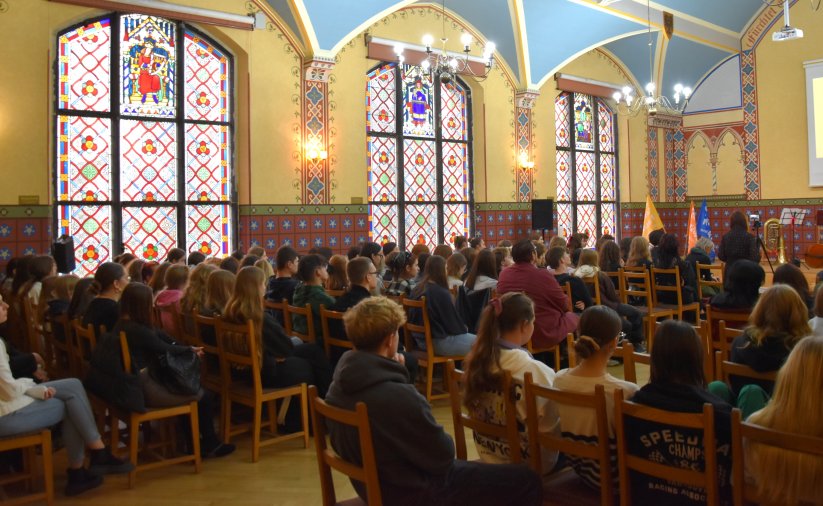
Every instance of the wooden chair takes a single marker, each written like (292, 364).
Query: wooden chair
(744, 493)
(630, 360)
(680, 307)
(210, 377)
(726, 369)
(28, 442)
(701, 283)
(290, 311)
(238, 352)
(620, 286)
(556, 351)
(506, 432)
(65, 348)
(567, 289)
(85, 340)
(593, 285)
(706, 479)
(565, 487)
(425, 358)
(133, 421)
(327, 459)
(638, 285)
(34, 337)
(328, 339)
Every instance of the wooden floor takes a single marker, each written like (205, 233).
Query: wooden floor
(286, 475)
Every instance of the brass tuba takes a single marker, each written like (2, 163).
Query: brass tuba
(773, 238)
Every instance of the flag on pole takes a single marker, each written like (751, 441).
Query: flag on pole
(651, 220)
(704, 228)
(692, 232)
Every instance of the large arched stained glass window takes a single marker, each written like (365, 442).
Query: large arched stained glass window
(586, 166)
(419, 156)
(144, 132)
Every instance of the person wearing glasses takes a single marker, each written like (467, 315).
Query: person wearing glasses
(600, 334)
(374, 252)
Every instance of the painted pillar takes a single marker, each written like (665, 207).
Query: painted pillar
(524, 173)
(315, 181)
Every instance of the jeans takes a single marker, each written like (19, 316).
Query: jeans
(460, 344)
(69, 405)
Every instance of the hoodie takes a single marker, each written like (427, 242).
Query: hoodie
(412, 450)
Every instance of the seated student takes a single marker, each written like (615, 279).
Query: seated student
(700, 255)
(283, 284)
(668, 257)
(194, 295)
(483, 275)
(195, 258)
(609, 257)
(374, 252)
(177, 277)
(784, 477)
(677, 384)
(422, 258)
(415, 456)
(230, 264)
(788, 274)
(599, 336)
(146, 343)
(219, 288)
(55, 299)
(560, 265)
(158, 278)
(40, 267)
(404, 270)
(313, 272)
(110, 280)
(443, 250)
(777, 324)
(455, 268)
(816, 322)
(81, 298)
(337, 273)
(25, 407)
(639, 255)
(741, 288)
(503, 256)
(176, 256)
(506, 325)
(631, 317)
(449, 334)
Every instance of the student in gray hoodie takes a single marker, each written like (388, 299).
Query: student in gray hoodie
(415, 456)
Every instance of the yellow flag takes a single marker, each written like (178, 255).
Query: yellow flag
(692, 233)
(651, 220)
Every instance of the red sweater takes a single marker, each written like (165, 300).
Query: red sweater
(552, 318)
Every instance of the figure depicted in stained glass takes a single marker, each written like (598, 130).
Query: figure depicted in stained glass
(419, 104)
(583, 122)
(150, 69)
(148, 66)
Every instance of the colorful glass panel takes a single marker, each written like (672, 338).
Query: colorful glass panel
(384, 223)
(455, 222)
(147, 68)
(381, 105)
(564, 175)
(83, 158)
(585, 174)
(419, 175)
(605, 130)
(587, 222)
(91, 228)
(455, 172)
(565, 226)
(607, 177)
(208, 229)
(206, 80)
(421, 224)
(453, 112)
(83, 67)
(608, 225)
(382, 169)
(561, 120)
(418, 102)
(583, 122)
(150, 232)
(148, 165)
(207, 162)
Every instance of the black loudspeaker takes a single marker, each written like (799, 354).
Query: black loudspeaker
(63, 252)
(542, 215)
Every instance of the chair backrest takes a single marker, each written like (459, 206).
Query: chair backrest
(309, 335)
(211, 350)
(237, 346)
(277, 308)
(84, 344)
(329, 339)
(62, 322)
(327, 459)
(33, 331)
(702, 269)
(334, 293)
(593, 285)
(733, 319)
(125, 353)
(567, 289)
(501, 432)
(557, 352)
(706, 479)
(637, 285)
(619, 285)
(657, 287)
(743, 492)
(423, 328)
(727, 369)
(635, 268)
(630, 360)
(537, 440)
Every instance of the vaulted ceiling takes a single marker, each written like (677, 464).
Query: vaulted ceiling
(535, 38)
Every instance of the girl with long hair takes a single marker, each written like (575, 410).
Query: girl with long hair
(506, 325)
(483, 274)
(110, 280)
(668, 257)
(639, 254)
(455, 268)
(194, 296)
(450, 335)
(337, 273)
(788, 274)
(404, 270)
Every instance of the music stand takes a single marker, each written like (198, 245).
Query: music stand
(792, 216)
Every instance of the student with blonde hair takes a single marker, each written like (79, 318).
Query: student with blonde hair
(785, 477)
(639, 255)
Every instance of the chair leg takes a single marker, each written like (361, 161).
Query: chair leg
(48, 469)
(226, 412)
(271, 405)
(29, 456)
(255, 445)
(134, 443)
(429, 381)
(304, 411)
(195, 435)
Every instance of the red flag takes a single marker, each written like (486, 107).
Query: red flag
(692, 233)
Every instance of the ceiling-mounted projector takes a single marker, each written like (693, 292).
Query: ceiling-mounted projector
(788, 32)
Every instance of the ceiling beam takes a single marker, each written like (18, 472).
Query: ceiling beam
(521, 39)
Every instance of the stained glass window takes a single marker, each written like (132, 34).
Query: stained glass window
(586, 166)
(154, 172)
(418, 145)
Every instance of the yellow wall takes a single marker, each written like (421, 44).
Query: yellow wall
(699, 167)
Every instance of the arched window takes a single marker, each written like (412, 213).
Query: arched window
(144, 139)
(586, 166)
(419, 156)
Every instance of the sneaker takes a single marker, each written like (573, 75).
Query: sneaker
(221, 450)
(81, 480)
(640, 348)
(103, 462)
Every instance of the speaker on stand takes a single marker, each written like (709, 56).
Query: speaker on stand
(62, 250)
(542, 215)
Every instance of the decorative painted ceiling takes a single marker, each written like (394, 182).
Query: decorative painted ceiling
(535, 38)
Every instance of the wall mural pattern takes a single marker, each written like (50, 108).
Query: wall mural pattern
(653, 163)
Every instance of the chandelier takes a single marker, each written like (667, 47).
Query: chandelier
(650, 103)
(447, 65)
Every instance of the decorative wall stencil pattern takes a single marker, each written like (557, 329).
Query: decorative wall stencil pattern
(751, 152)
(653, 163)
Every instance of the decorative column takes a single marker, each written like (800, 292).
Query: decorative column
(668, 151)
(681, 184)
(315, 178)
(653, 168)
(524, 171)
(751, 152)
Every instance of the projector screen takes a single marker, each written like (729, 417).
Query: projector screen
(814, 113)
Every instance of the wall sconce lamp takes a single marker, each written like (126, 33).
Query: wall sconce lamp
(525, 163)
(315, 154)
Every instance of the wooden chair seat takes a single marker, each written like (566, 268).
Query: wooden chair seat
(28, 442)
